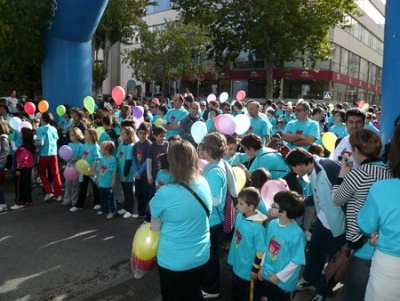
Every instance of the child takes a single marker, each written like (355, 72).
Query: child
(173, 139)
(109, 133)
(257, 180)
(159, 146)
(140, 150)
(163, 176)
(232, 156)
(286, 244)
(248, 243)
(125, 172)
(90, 153)
(72, 186)
(107, 173)
(4, 152)
(25, 159)
(201, 151)
(210, 121)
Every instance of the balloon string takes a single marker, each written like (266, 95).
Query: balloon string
(251, 290)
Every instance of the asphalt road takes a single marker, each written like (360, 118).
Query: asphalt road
(49, 253)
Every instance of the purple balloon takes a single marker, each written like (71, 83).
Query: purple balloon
(70, 173)
(24, 124)
(226, 124)
(138, 111)
(65, 152)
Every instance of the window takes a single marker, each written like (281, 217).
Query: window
(161, 5)
(344, 61)
(335, 64)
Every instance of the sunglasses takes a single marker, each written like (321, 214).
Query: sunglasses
(299, 110)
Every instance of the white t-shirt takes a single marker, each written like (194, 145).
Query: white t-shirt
(344, 147)
(12, 104)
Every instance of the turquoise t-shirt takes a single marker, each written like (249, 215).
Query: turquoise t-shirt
(174, 116)
(259, 127)
(262, 207)
(124, 153)
(48, 135)
(339, 130)
(155, 117)
(163, 178)
(273, 121)
(185, 229)
(279, 112)
(238, 157)
(77, 151)
(106, 169)
(211, 125)
(371, 127)
(91, 153)
(216, 178)
(248, 239)
(15, 137)
(284, 244)
(273, 162)
(305, 128)
(381, 212)
(61, 121)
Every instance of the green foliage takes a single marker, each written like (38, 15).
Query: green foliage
(168, 52)
(278, 31)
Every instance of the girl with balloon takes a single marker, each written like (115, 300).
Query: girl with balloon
(72, 155)
(25, 158)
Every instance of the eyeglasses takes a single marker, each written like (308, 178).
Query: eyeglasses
(274, 206)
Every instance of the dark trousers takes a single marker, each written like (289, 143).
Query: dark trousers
(241, 289)
(2, 199)
(181, 285)
(106, 199)
(275, 293)
(83, 186)
(212, 273)
(23, 190)
(127, 188)
(356, 280)
(142, 194)
(322, 244)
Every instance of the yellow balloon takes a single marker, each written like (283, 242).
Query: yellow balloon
(145, 243)
(328, 141)
(158, 122)
(240, 177)
(83, 167)
(99, 131)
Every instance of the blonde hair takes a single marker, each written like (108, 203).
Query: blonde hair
(109, 146)
(4, 127)
(367, 142)
(215, 145)
(130, 132)
(183, 170)
(78, 133)
(93, 135)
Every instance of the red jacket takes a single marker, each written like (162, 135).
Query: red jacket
(25, 158)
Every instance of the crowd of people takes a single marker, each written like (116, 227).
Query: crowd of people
(346, 195)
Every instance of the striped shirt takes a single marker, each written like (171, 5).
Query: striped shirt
(353, 190)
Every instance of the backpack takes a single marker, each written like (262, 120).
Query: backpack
(338, 265)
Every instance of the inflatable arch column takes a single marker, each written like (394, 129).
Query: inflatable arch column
(67, 63)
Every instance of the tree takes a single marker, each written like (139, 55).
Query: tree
(21, 51)
(278, 31)
(168, 52)
(116, 25)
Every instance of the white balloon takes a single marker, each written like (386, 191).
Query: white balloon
(198, 131)
(223, 96)
(211, 97)
(242, 123)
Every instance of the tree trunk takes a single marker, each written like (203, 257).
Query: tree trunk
(269, 69)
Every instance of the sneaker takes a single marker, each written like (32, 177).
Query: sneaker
(209, 296)
(303, 285)
(308, 235)
(318, 298)
(127, 215)
(135, 215)
(59, 199)
(97, 207)
(110, 215)
(100, 212)
(48, 197)
(74, 209)
(16, 207)
(28, 204)
(3, 208)
(121, 212)
(65, 204)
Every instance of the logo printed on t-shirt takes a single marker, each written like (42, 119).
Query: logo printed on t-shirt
(139, 155)
(273, 248)
(85, 154)
(238, 236)
(173, 118)
(103, 170)
(299, 132)
(121, 153)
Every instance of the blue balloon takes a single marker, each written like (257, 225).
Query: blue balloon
(198, 131)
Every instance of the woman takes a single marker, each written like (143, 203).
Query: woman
(351, 188)
(185, 232)
(162, 111)
(46, 137)
(215, 147)
(381, 212)
(237, 108)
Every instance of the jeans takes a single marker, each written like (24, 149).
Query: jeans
(275, 293)
(322, 243)
(212, 273)
(356, 280)
(142, 193)
(106, 199)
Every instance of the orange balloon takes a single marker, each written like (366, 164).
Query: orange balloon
(43, 106)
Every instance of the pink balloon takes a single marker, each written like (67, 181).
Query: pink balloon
(240, 95)
(216, 123)
(138, 121)
(24, 124)
(211, 97)
(226, 124)
(361, 103)
(118, 94)
(30, 108)
(269, 190)
(138, 111)
(70, 173)
(202, 163)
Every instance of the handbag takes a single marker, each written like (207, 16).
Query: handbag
(338, 265)
(197, 198)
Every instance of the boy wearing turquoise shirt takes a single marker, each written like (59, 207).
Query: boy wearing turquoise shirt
(248, 243)
(285, 248)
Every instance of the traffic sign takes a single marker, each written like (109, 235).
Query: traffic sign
(327, 95)
(131, 84)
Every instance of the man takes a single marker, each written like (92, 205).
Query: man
(318, 116)
(226, 108)
(203, 108)
(287, 117)
(355, 120)
(329, 227)
(280, 111)
(186, 124)
(174, 116)
(4, 113)
(211, 105)
(303, 131)
(258, 125)
(153, 106)
(12, 102)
